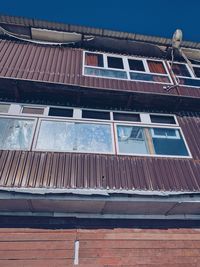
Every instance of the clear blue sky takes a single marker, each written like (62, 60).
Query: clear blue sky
(153, 17)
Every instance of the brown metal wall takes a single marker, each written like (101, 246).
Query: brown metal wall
(68, 170)
(74, 170)
(64, 65)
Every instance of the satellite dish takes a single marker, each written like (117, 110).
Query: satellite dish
(177, 39)
(176, 45)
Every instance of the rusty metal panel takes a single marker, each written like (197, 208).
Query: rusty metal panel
(71, 170)
(39, 62)
(63, 65)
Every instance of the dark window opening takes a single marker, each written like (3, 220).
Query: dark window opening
(162, 119)
(95, 60)
(126, 116)
(135, 64)
(180, 70)
(115, 63)
(61, 112)
(90, 114)
(197, 71)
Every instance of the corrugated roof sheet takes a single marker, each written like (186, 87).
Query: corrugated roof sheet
(91, 31)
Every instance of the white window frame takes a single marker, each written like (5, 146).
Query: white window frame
(192, 76)
(74, 121)
(77, 117)
(177, 136)
(175, 127)
(126, 67)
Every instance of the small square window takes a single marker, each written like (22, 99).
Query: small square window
(31, 110)
(162, 119)
(91, 114)
(126, 116)
(61, 112)
(115, 63)
(95, 60)
(4, 108)
(135, 64)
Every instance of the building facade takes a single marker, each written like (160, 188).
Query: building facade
(98, 129)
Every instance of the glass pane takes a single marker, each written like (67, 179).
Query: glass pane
(92, 114)
(126, 116)
(149, 77)
(67, 136)
(15, 133)
(106, 73)
(4, 108)
(168, 142)
(93, 137)
(61, 112)
(162, 119)
(180, 70)
(92, 59)
(131, 140)
(55, 135)
(135, 64)
(189, 82)
(115, 62)
(156, 66)
(30, 110)
(197, 71)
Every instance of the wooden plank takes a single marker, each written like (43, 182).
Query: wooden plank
(87, 244)
(37, 236)
(37, 254)
(124, 252)
(36, 245)
(137, 236)
(37, 263)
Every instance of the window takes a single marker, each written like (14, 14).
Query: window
(126, 116)
(4, 108)
(15, 133)
(185, 75)
(74, 136)
(60, 112)
(162, 119)
(91, 114)
(91, 131)
(95, 60)
(31, 110)
(124, 67)
(115, 62)
(135, 64)
(154, 141)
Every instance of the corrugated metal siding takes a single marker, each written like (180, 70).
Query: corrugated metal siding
(39, 62)
(68, 170)
(73, 170)
(100, 248)
(64, 65)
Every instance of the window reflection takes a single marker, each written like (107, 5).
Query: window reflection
(131, 139)
(69, 136)
(154, 141)
(15, 133)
